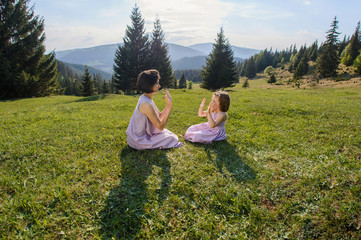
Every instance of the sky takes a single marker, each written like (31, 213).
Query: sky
(258, 24)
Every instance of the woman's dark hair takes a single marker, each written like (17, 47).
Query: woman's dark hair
(146, 80)
(224, 100)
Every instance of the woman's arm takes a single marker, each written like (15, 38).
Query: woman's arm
(168, 105)
(202, 113)
(215, 122)
(158, 121)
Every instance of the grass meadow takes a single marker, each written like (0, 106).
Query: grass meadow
(290, 168)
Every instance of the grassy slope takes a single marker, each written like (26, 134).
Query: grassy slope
(290, 168)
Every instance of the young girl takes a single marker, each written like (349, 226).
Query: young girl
(213, 130)
(146, 129)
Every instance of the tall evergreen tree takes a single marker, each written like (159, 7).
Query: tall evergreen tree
(133, 57)
(25, 70)
(182, 81)
(251, 68)
(302, 68)
(159, 57)
(357, 64)
(353, 48)
(220, 70)
(313, 51)
(105, 87)
(328, 60)
(87, 84)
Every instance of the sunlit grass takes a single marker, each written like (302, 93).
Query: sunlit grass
(289, 169)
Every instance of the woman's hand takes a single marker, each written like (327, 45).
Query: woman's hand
(203, 102)
(168, 98)
(200, 110)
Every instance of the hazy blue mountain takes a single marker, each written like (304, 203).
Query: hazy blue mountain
(239, 52)
(78, 69)
(102, 57)
(189, 63)
(177, 52)
(196, 62)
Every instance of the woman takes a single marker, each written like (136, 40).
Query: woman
(146, 129)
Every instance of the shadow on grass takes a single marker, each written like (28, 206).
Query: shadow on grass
(124, 210)
(226, 157)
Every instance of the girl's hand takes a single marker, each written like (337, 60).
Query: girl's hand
(209, 109)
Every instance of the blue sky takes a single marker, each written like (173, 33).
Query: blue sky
(256, 24)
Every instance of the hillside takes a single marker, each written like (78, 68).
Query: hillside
(288, 169)
(78, 69)
(347, 78)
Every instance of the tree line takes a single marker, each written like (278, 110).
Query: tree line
(26, 71)
(327, 56)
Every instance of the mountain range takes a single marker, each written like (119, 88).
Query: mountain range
(182, 57)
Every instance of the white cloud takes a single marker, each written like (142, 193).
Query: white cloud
(60, 37)
(186, 21)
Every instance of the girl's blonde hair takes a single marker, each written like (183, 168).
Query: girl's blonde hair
(224, 100)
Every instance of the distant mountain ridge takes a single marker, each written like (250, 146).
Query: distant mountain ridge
(191, 57)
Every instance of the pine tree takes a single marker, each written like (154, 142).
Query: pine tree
(272, 78)
(98, 82)
(328, 60)
(175, 82)
(133, 57)
(105, 87)
(343, 44)
(245, 83)
(251, 68)
(353, 48)
(159, 57)
(357, 64)
(182, 81)
(220, 70)
(313, 51)
(25, 70)
(302, 67)
(87, 84)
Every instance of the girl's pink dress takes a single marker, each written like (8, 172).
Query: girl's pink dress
(142, 134)
(203, 133)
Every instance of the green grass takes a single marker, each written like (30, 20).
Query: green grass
(290, 168)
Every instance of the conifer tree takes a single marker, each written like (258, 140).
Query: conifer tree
(182, 81)
(272, 78)
(251, 68)
(302, 67)
(245, 83)
(313, 51)
(343, 44)
(87, 84)
(353, 48)
(220, 70)
(159, 57)
(357, 64)
(133, 57)
(175, 82)
(105, 87)
(25, 70)
(328, 60)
